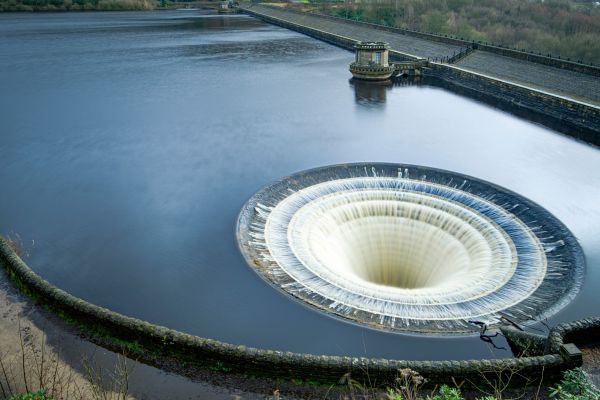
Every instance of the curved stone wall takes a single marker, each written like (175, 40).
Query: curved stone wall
(581, 331)
(149, 342)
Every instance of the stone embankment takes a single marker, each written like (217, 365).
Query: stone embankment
(580, 86)
(562, 95)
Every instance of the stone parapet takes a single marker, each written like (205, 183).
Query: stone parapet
(570, 117)
(581, 331)
(311, 24)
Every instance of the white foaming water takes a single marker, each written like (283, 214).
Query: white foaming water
(396, 239)
(403, 254)
(393, 251)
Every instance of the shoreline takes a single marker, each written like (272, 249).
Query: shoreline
(168, 382)
(71, 348)
(69, 345)
(110, 6)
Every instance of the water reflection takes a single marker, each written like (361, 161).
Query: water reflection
(373, 95)
(370, 94)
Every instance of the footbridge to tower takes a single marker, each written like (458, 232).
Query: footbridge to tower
(561, 94)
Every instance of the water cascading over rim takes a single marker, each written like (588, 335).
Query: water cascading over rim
(409, 248)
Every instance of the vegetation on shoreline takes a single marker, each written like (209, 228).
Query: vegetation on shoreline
(575, 385)
(32, 371)
(567, 28)
(78, 5)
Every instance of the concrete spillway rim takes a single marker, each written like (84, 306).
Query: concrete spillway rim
(552, 243)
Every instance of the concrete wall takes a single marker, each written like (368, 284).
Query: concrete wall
(575, 119)
(340, 41)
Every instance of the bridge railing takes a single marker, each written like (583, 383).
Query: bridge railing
(455, 57)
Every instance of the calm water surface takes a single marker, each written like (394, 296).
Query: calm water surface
(130, 141)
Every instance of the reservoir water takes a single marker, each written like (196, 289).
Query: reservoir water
(129, 142)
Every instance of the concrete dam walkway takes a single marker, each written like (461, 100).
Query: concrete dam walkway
(566, 82)
(579, 86)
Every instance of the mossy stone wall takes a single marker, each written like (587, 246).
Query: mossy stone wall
(151, 342)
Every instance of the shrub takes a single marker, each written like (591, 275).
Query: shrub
(448, 393)
(575, 386)
(39, 395)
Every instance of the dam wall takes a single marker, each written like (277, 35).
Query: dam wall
(358, 32)
(544, 101)
(540, 58)
(578, 120)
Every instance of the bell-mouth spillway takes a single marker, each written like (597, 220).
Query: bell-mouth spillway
(410, 249)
